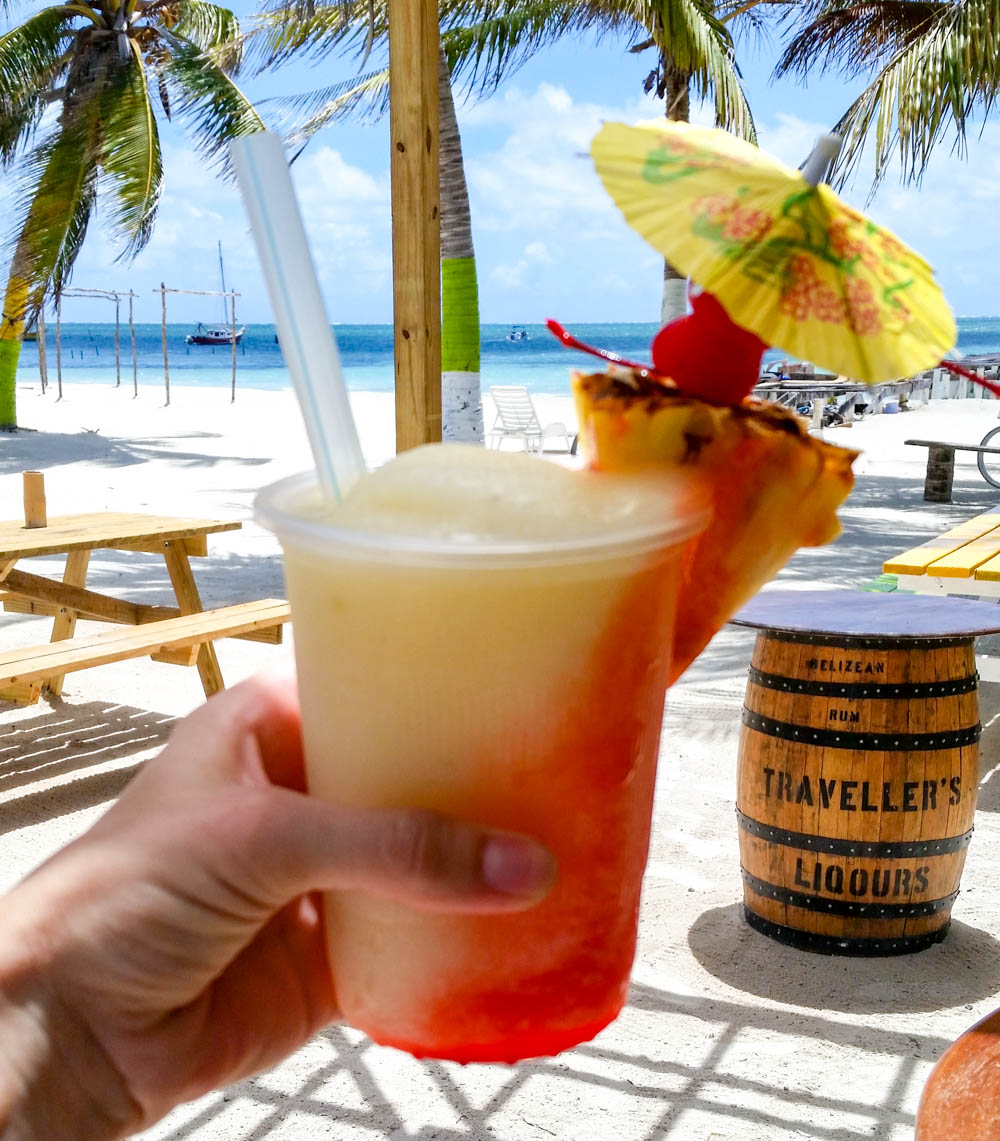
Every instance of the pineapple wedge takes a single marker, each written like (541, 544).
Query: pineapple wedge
(774, 487)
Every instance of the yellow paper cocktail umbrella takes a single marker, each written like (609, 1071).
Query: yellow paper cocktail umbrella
(788, 260)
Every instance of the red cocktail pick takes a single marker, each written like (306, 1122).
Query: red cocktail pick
(705, 353)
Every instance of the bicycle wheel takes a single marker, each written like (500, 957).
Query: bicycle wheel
(989, 465)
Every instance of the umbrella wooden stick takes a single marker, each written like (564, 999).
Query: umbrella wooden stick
(416, 223)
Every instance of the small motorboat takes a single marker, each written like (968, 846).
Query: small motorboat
(215, 335)
(518, 333)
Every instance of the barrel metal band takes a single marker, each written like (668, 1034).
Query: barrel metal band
(841, 945)
(865, 641)
(881, 691)
(869, 849)
(858, 909)
(875, 742)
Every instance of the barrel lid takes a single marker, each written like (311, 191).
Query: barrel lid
(867, 614)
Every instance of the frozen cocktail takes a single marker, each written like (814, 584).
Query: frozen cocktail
(488, 635)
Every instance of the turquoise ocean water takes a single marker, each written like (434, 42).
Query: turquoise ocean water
(539, 362)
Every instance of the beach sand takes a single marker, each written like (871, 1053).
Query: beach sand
(727, 1034)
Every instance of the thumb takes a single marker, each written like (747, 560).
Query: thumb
(422, 858)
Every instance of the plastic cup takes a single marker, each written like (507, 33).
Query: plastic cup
(519, 685)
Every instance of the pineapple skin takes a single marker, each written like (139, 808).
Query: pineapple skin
(773, 487)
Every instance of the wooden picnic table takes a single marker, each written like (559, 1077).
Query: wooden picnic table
(180, 635)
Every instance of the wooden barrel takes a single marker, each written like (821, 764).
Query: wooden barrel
(857, 781)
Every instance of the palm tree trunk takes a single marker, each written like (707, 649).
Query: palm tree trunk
(461, 396)
(15, 305)
(677, 102)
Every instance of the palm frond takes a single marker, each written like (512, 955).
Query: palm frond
(689, 34)
(299, 117)
(204, 96)
(753, 23)
(485, 42)
(699, 45)
(292, 29)
(928, 89)
(57, 192)
(853, 38)
(214, 29)
(131, 159)
(31, 59)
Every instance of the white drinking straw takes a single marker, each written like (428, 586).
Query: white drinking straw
(307, 341)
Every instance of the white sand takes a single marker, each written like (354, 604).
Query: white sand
(727, 1035)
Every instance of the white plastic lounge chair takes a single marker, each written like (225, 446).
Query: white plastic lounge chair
(518, 420)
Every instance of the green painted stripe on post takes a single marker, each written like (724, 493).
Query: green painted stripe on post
(10, 351)
(459, 315)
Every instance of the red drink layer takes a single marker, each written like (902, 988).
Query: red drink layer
(535, 983)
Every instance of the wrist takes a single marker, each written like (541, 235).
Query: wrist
(56, 1082)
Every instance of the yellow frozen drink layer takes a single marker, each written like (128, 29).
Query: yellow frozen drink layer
(470, 496)
(487, 635)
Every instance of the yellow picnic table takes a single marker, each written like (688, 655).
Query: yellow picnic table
(181, 634)
(963, 560)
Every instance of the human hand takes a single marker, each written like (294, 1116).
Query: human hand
(175, 947)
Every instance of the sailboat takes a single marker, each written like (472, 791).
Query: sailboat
(223, 334)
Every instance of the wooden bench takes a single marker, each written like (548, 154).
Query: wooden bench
(24, 671)
(941, 466)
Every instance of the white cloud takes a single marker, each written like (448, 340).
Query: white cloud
(347, 213)
(538, 252)
(541, 171)
(513, 275)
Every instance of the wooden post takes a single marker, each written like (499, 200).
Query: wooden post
(118, 350)
(163, 327)
(416, 222)
(232, 302)
(135, 362)
(818, 405)
(43, 361)
(59, 342)
(940, 473)
(34, 499)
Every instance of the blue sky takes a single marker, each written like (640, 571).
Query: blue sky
(549, 242)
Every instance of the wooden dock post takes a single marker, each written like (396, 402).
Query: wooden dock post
(118, 343)
(232, 303)
(59, 342)
(163, 328)
(416, 219)
(131, 333)
(43, 360)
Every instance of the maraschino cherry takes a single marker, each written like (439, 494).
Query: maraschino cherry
(708, 355)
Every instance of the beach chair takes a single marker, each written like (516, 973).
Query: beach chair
(518, 420)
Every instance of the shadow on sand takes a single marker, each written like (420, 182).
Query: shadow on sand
(962, 969)
(70, 741)
(23, 449)
(349, 1089)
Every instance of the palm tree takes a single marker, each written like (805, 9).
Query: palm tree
(78, 119)
(933, 64)
(483, 42)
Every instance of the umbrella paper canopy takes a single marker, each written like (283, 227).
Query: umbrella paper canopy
(789, 261)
